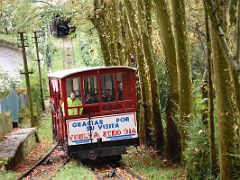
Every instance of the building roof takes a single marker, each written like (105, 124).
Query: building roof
(64, 73)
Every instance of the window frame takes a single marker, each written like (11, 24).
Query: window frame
(100, 103)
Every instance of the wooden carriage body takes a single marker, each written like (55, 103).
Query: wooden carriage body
(104, 123)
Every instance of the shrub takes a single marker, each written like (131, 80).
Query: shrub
(197, 154)
(7, 84)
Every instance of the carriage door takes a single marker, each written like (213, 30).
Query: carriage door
(55, 107)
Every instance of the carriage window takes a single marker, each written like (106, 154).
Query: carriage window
(73, 88)
(54, 85)
(124, 86)
(107, 88)
(120, 87)
(73, 85)
(90, 90)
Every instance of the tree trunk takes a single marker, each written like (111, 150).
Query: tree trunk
(211, 125)
(236, 74)
(143, 76)
(167, 39)
(223, 86)
(130, 48)
(98, 22)
(145, 30)
(184, 69)
(122, 41)
(111, 25)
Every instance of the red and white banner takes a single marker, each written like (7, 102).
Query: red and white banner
(109, 128)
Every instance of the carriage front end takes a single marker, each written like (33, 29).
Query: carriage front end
(100, 118)
(102, 136)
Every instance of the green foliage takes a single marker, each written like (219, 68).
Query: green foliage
(35, 84)
(8, 38)
(73, 171)
(197, 154)
(77, 53)
(197, 56)
(149, 165)
(26, 15)
(7, 83)
(8, 175)
(45, 128)
(57, 58)
(199, 103)
(24, 118)
(90, 49)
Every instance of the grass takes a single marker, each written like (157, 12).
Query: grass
(8, 38)
(57, 59)
(45, 128)
(73, 171)
(150, 166)
(8, 175)
(77, 53)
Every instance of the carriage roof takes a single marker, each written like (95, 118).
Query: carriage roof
(67, 72)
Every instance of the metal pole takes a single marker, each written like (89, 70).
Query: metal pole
(39, 71)
(27, 78)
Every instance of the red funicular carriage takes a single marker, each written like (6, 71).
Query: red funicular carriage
(104, 122)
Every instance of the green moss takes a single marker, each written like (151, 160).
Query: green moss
(73, 171)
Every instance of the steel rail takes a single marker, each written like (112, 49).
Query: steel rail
(39, 162)
(131, 172)
(113, 172)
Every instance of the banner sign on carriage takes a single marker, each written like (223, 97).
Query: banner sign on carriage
(109, 128)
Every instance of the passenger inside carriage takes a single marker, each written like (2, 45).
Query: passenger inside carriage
(89, 99)
(120, 91)
(72, 101)
(108, 96)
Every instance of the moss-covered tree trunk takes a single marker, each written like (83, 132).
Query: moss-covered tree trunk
(184, 69)
(122, 41)
(211, 124)
(98, 22)
(225, 85)
(222, 81)
(167, 39)
(144, 17)
(110, 27)
(129, 42)
(143, 74)
(238, 62)
(236, 74)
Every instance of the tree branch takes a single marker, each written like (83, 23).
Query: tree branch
(198, 33)
(220, 35)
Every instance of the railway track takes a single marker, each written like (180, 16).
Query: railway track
(47, 165)
(113, 171)
(68, 54)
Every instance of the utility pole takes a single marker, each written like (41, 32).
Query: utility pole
(39, 70)
(26, 73)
